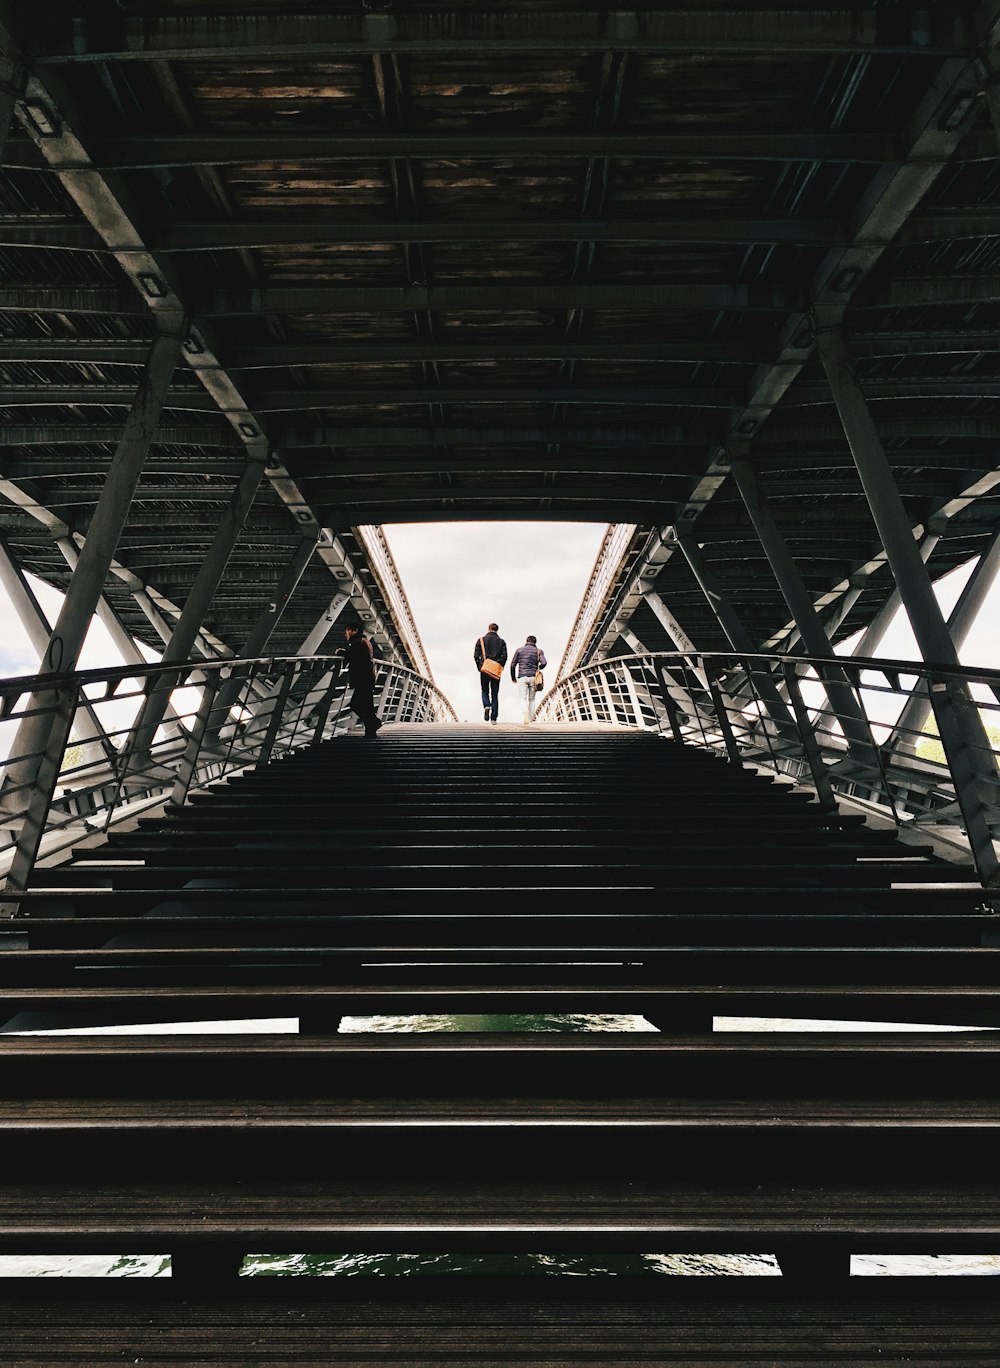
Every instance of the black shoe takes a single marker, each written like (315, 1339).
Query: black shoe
(371, 735)
(486, 714)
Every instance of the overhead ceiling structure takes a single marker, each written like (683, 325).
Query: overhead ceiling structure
(460, 261)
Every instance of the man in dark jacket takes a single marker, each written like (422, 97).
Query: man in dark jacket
(360, 659)
(490, 646)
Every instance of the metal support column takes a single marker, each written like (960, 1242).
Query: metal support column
(911, 720)
(843, 699)
(41, 737)
(87, 729)
(121, 639)
(202, 591)
(960, 727)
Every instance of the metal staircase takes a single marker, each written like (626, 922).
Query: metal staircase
(572, 869)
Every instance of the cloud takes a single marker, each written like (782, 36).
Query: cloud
(458, 577)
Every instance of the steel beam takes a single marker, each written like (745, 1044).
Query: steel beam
(502, 297)
(279, 355)
(237, 235)
(962, 734)
(733, 629)
(87, 728)
(145, 151)
(122, 641)
(107, 434)
(612, 435)
(931, 137)
(262, 36)
(189, 623)
(283, 401)
(918, 707)
(836, 686)
(41, 738)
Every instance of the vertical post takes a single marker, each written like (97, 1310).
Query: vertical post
(963, 737)
(202, 591)
(323, 711)
(633, 694)
(277, 713)
(722, 717)
(189, 760)
(673, 713)
(43, 734)
(814, 756)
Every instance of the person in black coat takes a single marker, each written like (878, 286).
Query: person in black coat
(360, 659)
(490, 646)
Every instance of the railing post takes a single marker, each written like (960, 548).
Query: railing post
(47, 764)
(325, 704)
(670, 704)
(274, 721)
(813, 754)
(722, 717)
(189, 760)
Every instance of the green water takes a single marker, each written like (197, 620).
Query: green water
(341, 1263)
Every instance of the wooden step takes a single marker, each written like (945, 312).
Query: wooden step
(611, 958)
(470, 1322)
(418, 995)
(504, 1216)
(894, 925)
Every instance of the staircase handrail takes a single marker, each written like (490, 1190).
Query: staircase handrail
(286, 702)
(772, 708)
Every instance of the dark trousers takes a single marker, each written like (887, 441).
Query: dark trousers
(491, 695)
(363, 703)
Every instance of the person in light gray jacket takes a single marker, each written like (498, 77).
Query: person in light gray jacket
(523, 664)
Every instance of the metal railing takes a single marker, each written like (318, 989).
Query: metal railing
(856, 728)
(224, 716)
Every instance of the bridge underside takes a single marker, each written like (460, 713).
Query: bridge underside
(437, 263)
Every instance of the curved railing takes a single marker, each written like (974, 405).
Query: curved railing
(77, 755)
(917, 743)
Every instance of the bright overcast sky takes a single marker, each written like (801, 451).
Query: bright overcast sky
(528, 577)
(460, 577)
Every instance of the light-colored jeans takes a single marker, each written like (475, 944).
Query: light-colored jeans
(526, 693)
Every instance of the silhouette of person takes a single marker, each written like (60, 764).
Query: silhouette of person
(360, 659)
